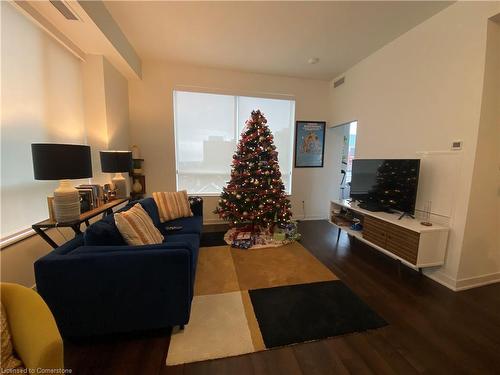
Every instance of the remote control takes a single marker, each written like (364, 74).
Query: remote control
(173, 228)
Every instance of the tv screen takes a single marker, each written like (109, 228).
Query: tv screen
(384, 184)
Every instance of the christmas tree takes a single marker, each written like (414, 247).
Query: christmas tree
(255, 194)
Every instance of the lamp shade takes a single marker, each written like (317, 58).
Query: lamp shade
(116, 161)
(55, 161)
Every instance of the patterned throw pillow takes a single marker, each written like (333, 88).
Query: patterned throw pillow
(172, 205)
(8, 360)
(136, 227)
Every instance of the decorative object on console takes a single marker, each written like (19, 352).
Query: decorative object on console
(309, 144)
(136, 152)
(427, 214)
(137, 187)
(117, 162)
(138, 179)
(256, 194)
(64, 162)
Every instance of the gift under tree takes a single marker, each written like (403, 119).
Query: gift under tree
(255, 195)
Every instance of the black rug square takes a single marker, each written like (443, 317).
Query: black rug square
(306, 312)
(212, 239)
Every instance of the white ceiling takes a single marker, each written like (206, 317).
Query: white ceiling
(267, 37)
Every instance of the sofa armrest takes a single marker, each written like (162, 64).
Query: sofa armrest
(108, 291)
(196, 205)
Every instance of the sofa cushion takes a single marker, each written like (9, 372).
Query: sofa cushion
(192, 225)
(172, 205)
(9, 360)
(137, 228)
(69, 246)
(103, 233)
(151, 208)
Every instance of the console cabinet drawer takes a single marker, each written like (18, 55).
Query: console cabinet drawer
(375, 231)
(399, 241)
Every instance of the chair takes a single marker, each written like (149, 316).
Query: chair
(35, 336)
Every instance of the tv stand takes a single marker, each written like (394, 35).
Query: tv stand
(399, 236)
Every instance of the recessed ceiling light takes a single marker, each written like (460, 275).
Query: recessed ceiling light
(313, 60)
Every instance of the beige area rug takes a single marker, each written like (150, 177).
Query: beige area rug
(223, 322)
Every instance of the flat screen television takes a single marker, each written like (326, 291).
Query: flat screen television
(385, 184)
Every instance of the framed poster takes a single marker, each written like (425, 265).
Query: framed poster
(309, 144)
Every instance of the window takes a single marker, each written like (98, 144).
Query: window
(207, 130)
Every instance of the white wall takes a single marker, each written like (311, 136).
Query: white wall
(117, 108)
(48, 95)
(151, 119)
(481, 247)
(419, 93)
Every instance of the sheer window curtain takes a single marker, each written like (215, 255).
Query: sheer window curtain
(207, 130)
(42, 101)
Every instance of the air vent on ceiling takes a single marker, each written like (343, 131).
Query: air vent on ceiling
(338, 82)
(65, 10)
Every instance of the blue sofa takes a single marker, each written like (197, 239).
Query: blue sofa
(96, 284)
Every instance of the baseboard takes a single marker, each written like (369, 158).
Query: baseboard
(218, 221)
(308, 218)
(213, 221)
(442, 279)
(476, 281)
(463, 284)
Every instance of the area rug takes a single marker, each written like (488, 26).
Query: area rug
(252, 300)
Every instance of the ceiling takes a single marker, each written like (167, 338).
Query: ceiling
(267, 37)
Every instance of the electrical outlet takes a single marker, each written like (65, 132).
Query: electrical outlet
(456, 145)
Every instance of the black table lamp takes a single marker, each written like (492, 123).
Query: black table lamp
(54, 161)
(117, 162)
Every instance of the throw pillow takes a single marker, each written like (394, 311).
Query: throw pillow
(136, 227)
(8, 360)
(172, 205)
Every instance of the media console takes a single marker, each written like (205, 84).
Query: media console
(406, 240)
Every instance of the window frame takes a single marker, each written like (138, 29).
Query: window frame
(235, 96)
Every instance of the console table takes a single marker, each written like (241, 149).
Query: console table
(406, 240)
(105, 209)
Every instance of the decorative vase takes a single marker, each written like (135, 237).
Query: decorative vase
(136, 153)
(137, 187)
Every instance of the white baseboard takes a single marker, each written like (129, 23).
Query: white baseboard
(213, 221)
(442, 279)
(219, 221)
(307, 218)
(476, 281)
(463, 284)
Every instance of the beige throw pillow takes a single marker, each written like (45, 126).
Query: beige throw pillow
(136, 227)
(8, 360)
(172, 205)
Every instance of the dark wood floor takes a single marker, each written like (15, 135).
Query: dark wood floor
(431, 330)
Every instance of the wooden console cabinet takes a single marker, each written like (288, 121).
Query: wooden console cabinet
(407, 240)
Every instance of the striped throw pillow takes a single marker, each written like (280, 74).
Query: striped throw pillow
(172, 205)
(136, 227)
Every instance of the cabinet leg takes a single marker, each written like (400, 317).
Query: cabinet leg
(338, 234)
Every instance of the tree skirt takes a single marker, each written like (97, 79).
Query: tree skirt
(246, 240)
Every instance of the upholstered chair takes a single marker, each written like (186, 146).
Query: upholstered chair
(35, 337)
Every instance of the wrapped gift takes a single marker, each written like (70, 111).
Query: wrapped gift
(279, 236)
